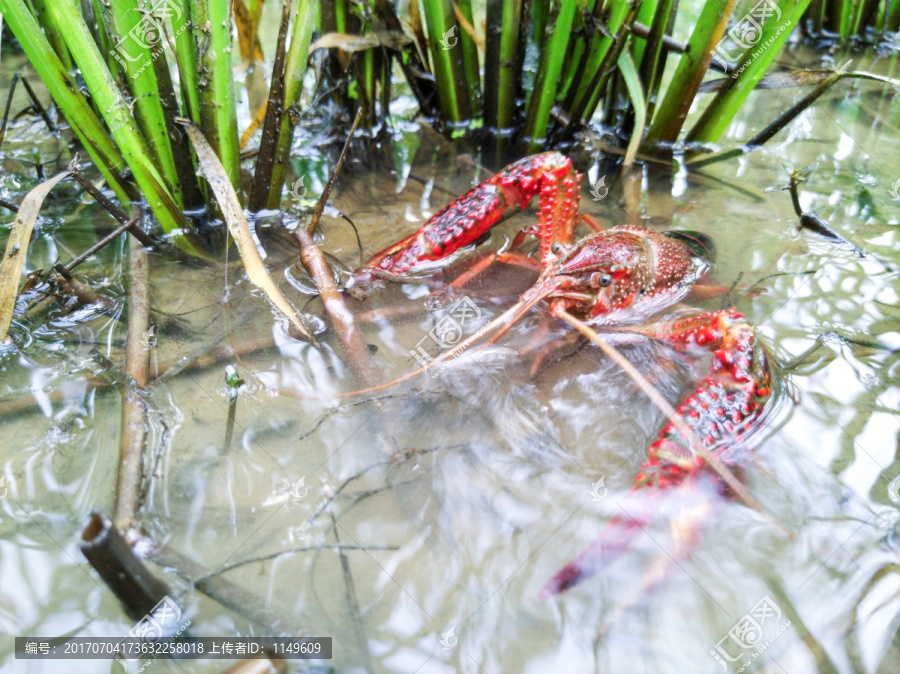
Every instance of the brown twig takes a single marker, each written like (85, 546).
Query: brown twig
(134, 413)
(110, 207)
(320, 206)
(102, 243)
(81, 290)
(352, 601)
(223, 591)
(341, 319)
(292, 551)
(262, 177)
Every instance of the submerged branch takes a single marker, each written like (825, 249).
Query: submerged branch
(311, 255)
(291, 551)
(124, 573)
(134, 413)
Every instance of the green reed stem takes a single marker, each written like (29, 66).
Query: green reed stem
(135, 56)
(671, 113)
(218, 111)
(553, 54)
(470, 59)
(186, 61)
(501, 68)
(653, 61)
(119, 119)
(719, 113)
(53, 33)
(448, 61)
(591, 81)
(294, 70)
(87, 127)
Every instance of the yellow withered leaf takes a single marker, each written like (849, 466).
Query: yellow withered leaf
(227, 199)
(17, 248)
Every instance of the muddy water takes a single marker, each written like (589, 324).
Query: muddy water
(416, 526)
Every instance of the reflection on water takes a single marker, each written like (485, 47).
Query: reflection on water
(416, 526)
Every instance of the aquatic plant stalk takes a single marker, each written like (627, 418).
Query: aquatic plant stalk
(553, 52)
(135, 56)
(501, 73)
(595, 59)
(133, 434)
(654, 55)
(448, 62)
(671, 113)
(470, 57)
(218, 111)
(120, 121)
(262, 176)
(86, 125)
(754, 61)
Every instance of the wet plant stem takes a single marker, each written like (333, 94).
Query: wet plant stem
(352, 601)
(265, 161)
(229, 423)
(224, 592)
(132, 224)
(294, 70)
(81, 290)
(311, 255)
(113, 558)
(105, 241)
(320, 205)
(134, 413)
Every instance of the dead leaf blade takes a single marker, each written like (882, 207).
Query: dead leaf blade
(17, 249)
(227, 199)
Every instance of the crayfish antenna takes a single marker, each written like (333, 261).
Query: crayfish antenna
(503, 321)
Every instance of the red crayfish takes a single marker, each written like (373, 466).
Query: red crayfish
(617, 277)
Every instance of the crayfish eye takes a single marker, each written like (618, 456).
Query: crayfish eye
(599, 280)
(556, 248)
